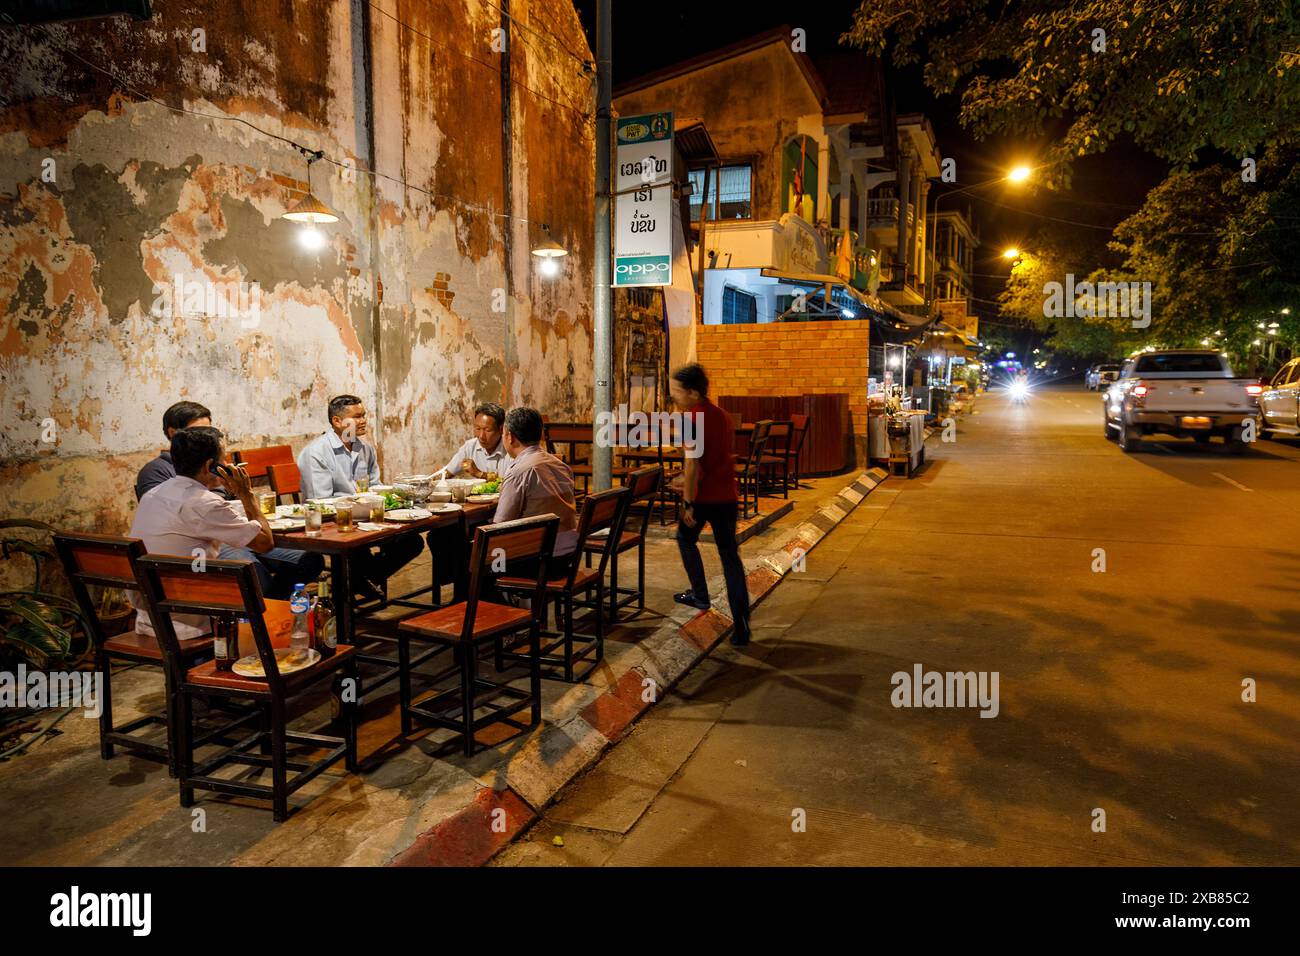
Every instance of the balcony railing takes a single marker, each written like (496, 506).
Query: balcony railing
(884, 212)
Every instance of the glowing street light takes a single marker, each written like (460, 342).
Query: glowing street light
(1019, 174)
(1011, 253)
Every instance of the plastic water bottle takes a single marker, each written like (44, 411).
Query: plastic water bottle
(300, 604)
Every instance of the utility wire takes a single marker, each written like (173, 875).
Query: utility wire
(125, 85)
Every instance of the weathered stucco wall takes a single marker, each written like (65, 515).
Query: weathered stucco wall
(750, 104)
(423, 301)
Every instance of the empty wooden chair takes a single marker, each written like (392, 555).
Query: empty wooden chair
(643, 488)
(748, 473)
(285, 480)
(576, 587)
(469, 625)
(256, 460)
(776, 454)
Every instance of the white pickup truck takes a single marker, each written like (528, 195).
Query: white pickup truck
(1183, 392)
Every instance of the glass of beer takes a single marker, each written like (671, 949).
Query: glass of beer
(377, 509)
(266, 500)
(343, 518)
(311, 518)
(363, 484)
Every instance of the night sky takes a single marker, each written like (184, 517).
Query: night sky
(1104, 189)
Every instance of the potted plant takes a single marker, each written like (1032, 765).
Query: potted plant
(38, 626)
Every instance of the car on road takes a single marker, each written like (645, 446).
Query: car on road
(1279, 405)
(1099, 376)
(1190, 393)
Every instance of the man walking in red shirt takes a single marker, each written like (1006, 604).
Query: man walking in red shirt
(708, 490)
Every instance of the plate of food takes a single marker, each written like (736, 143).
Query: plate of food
(483, 499)
(287, 660)
(295, 511)
(287, 524)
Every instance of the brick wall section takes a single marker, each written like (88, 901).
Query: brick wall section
(789, 358)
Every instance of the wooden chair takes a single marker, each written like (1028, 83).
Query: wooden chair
(748, 474)
(468, 625)
(776, 454)
(578, 441)
(101, 560)
(285, 480)
(572, 588)
(257, 460)
(795, 449)
(643, 488)
(229, 590)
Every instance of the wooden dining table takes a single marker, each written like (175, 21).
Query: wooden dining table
(344, 549)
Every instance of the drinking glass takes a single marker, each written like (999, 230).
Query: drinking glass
(343, 519)
(363, 484)
(311, 517)
(266, 500)
(377, 509)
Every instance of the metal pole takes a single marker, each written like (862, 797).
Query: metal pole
(603, 346)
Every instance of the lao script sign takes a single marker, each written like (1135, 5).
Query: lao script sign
(643, 209)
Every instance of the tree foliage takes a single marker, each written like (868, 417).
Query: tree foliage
(1178, 75)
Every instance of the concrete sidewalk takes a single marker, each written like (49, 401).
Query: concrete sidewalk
(414, 803)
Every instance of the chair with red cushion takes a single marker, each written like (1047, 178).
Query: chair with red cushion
(749, 473)
(643, 488)
(468, 625)
(572, 588)
(108, 561)
(285, 480)
(776, 454)
(229, 590)
(255, 461)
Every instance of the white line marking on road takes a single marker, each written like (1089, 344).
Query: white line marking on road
(1160, 448)
(1235, 484)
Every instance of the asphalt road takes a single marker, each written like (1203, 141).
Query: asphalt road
(1120, 691)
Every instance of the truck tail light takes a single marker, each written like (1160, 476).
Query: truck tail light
(1255, 390)
(1139, 393)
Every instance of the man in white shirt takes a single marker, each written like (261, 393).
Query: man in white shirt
(484, 454)
(185, 516)
(330, 465)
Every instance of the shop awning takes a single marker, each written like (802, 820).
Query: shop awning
(875, 306)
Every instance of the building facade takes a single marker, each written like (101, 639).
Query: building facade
(143, 257)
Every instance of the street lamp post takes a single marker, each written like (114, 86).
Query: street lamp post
(602, 459)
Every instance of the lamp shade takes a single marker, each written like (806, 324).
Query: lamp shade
(550, 249)
(310, 209)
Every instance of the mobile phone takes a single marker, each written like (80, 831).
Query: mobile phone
(223, 471)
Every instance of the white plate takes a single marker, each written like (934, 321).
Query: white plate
(446, 507)
(287, 524)
(408, 514)
(483, 499)
(251, 666)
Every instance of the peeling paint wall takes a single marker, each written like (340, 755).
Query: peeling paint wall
(112, 187)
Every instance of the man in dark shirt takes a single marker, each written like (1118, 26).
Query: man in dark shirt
(181, 415)
(708, 489)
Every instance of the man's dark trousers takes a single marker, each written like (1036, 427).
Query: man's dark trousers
(721, 519)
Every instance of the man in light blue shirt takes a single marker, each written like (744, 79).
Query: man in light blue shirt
(330, 466)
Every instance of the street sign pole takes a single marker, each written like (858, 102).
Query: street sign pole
(603, 350)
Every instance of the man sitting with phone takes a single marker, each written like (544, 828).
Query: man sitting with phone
(185, 516)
